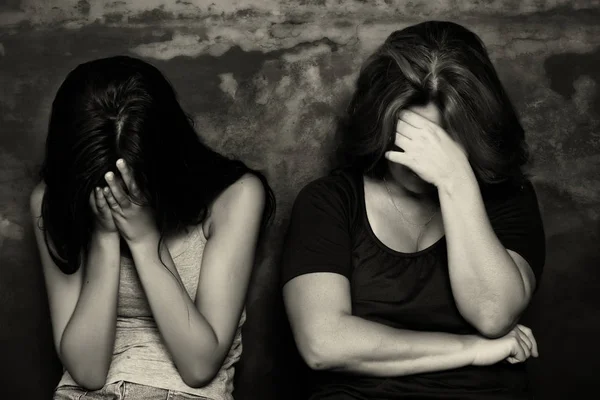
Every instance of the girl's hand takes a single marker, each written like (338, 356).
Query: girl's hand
(428, 150)
(134, 221)
(104, 222)
(515, 347)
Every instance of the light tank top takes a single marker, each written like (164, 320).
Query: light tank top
(139, 354)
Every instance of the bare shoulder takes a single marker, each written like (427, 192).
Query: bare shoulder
(241, 203)
(35, 200)
(246, 193)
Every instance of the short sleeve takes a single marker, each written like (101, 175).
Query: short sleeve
(517, 222)
(318, 238)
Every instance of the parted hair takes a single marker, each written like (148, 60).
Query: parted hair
(445, 64)
(123, 107)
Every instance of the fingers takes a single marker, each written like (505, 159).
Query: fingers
(399, 158)
(519, 353)
(524, 345)
(406, 135)
(525, 339)
(127, 175)
(117, 192)
(110, 199)
(421, 124)
(101, 204)
(529, 334)
(98, 203)
(404, 142)
(407, 130)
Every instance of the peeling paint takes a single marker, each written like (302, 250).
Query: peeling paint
(152, 16)
(52, 12)
(228, 84)
(309, 52)
(179, 45)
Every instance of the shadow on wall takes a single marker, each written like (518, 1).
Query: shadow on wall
(565, 71)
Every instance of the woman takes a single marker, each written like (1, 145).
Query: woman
(405, 272)
(147, 239)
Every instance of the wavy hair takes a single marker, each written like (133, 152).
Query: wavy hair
(445, 64)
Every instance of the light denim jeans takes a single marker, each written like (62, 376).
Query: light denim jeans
(122, 391)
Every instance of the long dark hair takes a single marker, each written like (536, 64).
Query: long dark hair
(448, 65)
(123, 107)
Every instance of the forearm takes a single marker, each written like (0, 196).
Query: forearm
(188, 336)
(360, 346)
(486, 283)
(86, 345)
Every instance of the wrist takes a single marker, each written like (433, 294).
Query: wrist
(103, 237)
(461, 183)
(149, 240)
(472, 344)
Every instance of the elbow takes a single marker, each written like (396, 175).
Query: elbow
(493, 320)
(494, 327)
(89, 375)
(199, 363)
(319, 354)
(90, 380)
(196, 381)
(494, 331)
(200, 374)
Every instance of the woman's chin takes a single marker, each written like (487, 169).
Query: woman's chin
(412, 182)
(416, 185)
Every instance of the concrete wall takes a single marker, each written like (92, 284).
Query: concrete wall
(263, 80)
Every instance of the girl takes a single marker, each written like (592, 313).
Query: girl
(147, 239)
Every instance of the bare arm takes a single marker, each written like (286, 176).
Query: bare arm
(491, 285)
(329, 337)
(83, 305)
(199, 335)
(316, 261)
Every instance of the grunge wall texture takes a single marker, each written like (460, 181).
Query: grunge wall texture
(263, 81)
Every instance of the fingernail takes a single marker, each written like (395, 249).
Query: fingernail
(109, 176)
(120, 162)
(106, 190)
(97, 189)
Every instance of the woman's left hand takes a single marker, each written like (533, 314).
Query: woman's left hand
(428, 150)
(134, 221)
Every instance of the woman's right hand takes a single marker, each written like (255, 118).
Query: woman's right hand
(515, 347)
(104, 222)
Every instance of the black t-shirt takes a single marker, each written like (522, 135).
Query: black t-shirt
(329, 232)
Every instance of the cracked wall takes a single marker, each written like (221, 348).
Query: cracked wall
(263, 81)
